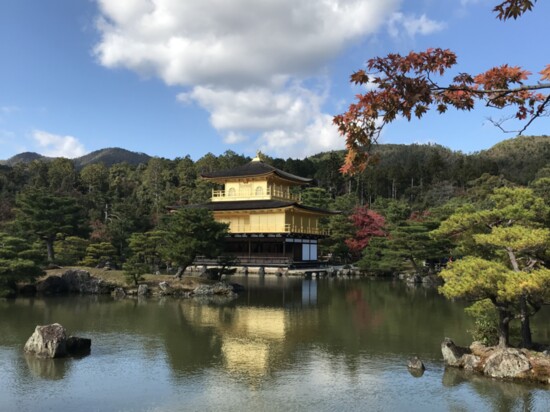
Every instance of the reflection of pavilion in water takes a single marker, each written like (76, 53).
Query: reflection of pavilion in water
(278, 291)
(256, 339)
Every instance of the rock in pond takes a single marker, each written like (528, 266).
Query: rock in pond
(80, 281)
(73, 281)
(165, 288)
(506, 363)
(415, 363)
(52, 285)
(143, 290)
(118, 293)
(498, 362)
(453, 354)
(220, 288)
(51, 341)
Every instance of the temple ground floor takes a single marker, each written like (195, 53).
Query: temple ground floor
(277, 250)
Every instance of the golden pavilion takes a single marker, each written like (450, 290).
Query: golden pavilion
(267, 223)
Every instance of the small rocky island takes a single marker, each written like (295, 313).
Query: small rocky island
(78, 281)
(498, 362)
(52, 341)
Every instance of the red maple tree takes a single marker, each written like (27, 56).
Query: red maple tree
(368, 224)
(406, 86)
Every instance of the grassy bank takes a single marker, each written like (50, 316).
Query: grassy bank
(117, 278)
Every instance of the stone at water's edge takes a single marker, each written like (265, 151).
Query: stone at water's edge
(497, 362)
(119, 293)
(219, 288)
(415, 363)
(143, 290)
(165, 288)
(52, 285)
(51, 341)
(506, 363)
(453, 354)
(74, 281)
(78, 346)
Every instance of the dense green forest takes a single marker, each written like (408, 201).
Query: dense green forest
(87, 210)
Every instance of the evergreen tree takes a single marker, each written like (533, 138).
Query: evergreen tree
(71, 250)
(340, 228)
(191, 233)
(49, 217)
(507, 238)
(99, 254)
(14, 266)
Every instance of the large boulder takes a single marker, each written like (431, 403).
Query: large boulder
(218, 293)
(165, 288)
(453, 354)
(51, 341)
(118, 293)
(77, 280)
(78, 346)
(74, 281)
(27, 290)
(506, 363)
(498, 362)
(203, 290)
(143, 290)
(80, 281)
(219, 289)
(52, 285)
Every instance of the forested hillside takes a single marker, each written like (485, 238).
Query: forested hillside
(98, 205)
(108, 157)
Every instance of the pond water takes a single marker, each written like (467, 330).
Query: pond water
(286, 344)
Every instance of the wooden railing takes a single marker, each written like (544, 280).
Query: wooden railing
(224, 195)
(270, 261)
(287, 228)
(247, 260)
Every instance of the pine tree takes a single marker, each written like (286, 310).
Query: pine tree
(507, 238)
(49, 217)
(191, 233)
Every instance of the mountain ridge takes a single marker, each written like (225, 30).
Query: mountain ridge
(529, 152)
(108, 156)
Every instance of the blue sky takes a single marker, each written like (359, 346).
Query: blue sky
(175, 77)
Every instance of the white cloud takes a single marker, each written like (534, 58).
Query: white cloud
(233, 138)
(412, 25)
(256, 109)
(288, 121)
(231, 43)
(319, 136)
(58, 146)
(247, 62)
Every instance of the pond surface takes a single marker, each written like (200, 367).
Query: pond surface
(285, 344)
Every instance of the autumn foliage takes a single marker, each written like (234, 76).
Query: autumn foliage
(368, 224)
(406, 86)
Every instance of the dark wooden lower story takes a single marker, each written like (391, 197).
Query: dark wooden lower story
(279, 250)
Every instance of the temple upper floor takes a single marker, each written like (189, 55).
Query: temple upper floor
(255, 180)
(254, 190)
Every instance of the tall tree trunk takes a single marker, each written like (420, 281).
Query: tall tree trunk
(49, 247)
(415, 266)
(503, 329)
(526, 340)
